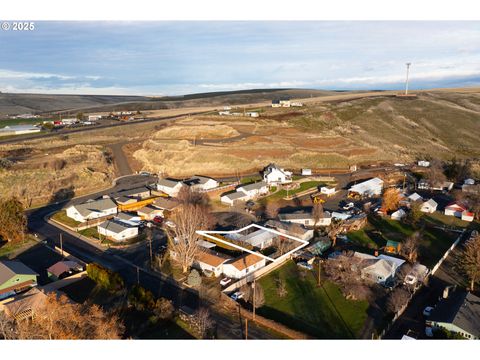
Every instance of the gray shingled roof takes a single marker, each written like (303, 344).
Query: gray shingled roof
(168, 182)
(235, 195)
(88, 207)
(254, 186)
(9, 269)
(296, 216)
(461, 309)
(115, 226)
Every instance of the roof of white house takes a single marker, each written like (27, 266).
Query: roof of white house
(99, 205)
(399, 213)
(431, 203)
(366, 186)
(166, 203)
(126, 216)
(197, 180)
(257, 237)
(299, 215)
(115, 226)
(245, 261)
(273, 167)
(169, 183)
(456, 206)
(254, 186)
(211, 258)
(235, 195)
(415, 197)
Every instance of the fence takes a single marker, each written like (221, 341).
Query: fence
(454, 245)
(270, 324)
(257, 274)
(434, 269)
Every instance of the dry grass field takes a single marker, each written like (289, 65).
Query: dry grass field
(322, 134)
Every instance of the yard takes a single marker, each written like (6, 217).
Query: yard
(8, 248)
(378, 230)
(62, 217)
(303, 186)
(322, 312)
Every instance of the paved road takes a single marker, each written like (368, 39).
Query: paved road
(66, 131)
(412, 318)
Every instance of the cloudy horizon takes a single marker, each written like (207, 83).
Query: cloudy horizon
(174, 58)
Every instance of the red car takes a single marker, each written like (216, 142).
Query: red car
(157, 219)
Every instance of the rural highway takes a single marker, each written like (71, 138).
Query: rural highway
(93, 128)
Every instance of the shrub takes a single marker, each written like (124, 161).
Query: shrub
(104, 277)
(5, 163)
(194, 279)
(164, 308)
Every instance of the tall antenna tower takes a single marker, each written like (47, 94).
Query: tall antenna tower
(406, 82)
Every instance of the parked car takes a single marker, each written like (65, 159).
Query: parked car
(427, 311)
(348, 206)
(237, 295)
(304, 265)
(225, 281)
(157, 219)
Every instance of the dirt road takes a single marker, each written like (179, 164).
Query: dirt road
(122, 166)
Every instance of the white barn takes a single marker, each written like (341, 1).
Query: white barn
(368, 188)
(254, 190)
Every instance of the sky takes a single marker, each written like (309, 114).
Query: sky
(174, 58)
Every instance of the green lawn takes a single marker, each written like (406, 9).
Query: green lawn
(62, 217)
(322, 312)
(378, 230)
(438, 218)
(303, 186)
(10, 122)
(7, 248)
(250, 179)
(91, 233)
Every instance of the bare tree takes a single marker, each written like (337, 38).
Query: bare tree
(409, 248)
(471, 261)
(183, 239)
(203, 321)
(281, 287)
(318, 212)
(435, 173)
(257, 297)
(271, 209)
(59, 318)
(283, 244)
(397, 299)
(188, 196)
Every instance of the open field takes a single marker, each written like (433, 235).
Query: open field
(325, 133)
(322, 312)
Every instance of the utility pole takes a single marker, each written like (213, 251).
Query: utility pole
(61, 243)
(319, 271)
(253, 285)
(406, 82)
(138, 275)
(246, 329)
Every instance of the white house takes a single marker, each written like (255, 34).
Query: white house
(169, 186)
(259, 239)
(455, 209)
(305, 218)
(415, 197)
(243, 265)
(368, 188)
(429, 206)
(208, 260)
(233, 198)
(69, 121)
(380, 269)
(423, 163)
(201, 183)
(254, 190)
(327, 190)
(469, 182)
(117, 230)
(273, 175)
(287, 228)
(467, 216)
(128, 218)
(149, 212)
(306, 172)
(92, 209)
(398, 215)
